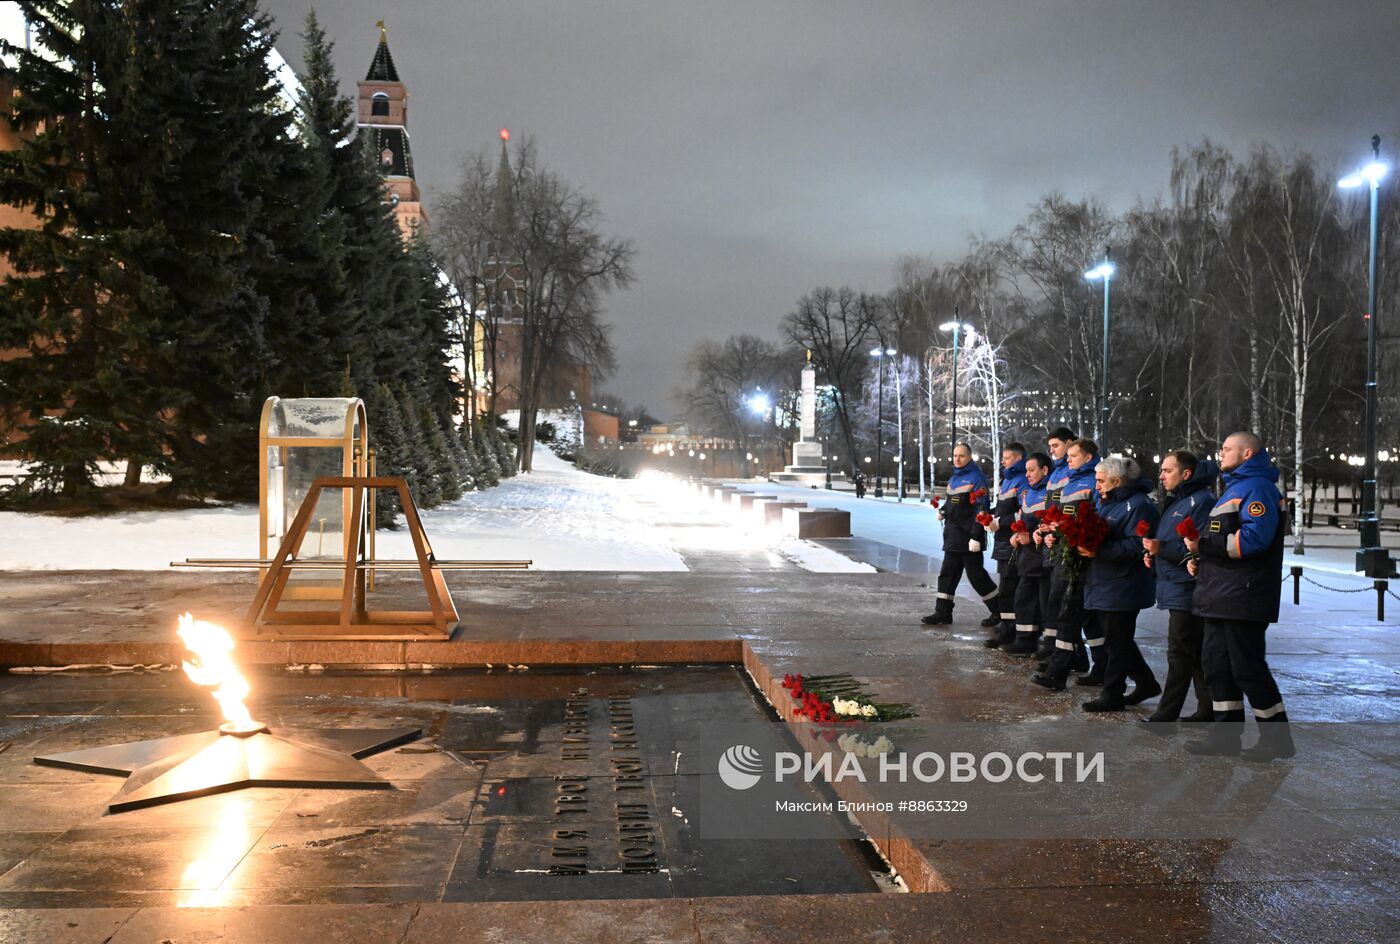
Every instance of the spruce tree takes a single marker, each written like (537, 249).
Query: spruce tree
(390, 446)
(421, 480)
(461, 458)
(369, 249)
(220, 205)
(505, 455)
(471, 460)
(486, 458)
(83, 319)
(440, 461)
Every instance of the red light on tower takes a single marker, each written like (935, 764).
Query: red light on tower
(505, 134)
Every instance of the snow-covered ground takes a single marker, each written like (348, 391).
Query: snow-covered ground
(911, 524)
(557, 516)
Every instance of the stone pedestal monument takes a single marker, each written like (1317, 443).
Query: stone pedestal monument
(808, 467)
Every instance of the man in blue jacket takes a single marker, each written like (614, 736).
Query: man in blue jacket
(1186, 483)
(1239, 576)
(963, 538)
(1006, 510)
(1033, 577)
(1058, 443)
(1070, 618)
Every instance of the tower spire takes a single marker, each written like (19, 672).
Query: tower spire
(505, 188)
(381, 69)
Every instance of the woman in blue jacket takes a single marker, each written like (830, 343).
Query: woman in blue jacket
(1186, 482)
(1116, 585)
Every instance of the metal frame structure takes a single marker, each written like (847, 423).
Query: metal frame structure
(352, 620)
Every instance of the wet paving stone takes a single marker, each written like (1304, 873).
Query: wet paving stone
(525, 786)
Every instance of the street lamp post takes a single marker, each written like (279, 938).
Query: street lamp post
(956, 327)
(881, 353)
(760, 403)
(1372, 559)
(1104, 270)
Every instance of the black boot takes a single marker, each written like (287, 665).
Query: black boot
(1275, 741)
(1221, 740)
(1105, 702)
(991, 619)
(1002, 635)
(942, 614)
(1056, 683)
(1091, 679)
(1022, 645)
(1143, 691)
(1046, 646)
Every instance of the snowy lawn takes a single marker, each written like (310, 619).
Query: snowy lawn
(557, 516)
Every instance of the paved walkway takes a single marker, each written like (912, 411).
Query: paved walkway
(1334, 665)
(1031, 888)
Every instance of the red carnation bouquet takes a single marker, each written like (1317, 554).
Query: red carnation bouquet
(1187, 530)
(838, 699)
(933, 501)
(977, 495)
(1085, 530)
(1143, 529)
(1017, 527)
(984, 518)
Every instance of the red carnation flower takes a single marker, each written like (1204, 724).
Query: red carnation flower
(984, 519)
(933, 501)
(1143, 528)
(977, 495)
(1018, 526)
(1187, 529)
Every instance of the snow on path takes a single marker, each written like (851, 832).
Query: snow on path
(556, 516)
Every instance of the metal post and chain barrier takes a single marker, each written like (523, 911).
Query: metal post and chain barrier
(1380, 587)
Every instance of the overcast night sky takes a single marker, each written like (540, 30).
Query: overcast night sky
(753, 151)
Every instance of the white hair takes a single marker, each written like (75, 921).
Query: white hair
(1121, 468)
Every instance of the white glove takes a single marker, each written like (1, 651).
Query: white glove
(974, 546)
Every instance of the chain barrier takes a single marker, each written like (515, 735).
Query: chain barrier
(1381, 588)
(1342, 589)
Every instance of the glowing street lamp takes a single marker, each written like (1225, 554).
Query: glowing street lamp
(1372, 559)
(957, 327)
(881, 353)
(1104, 270)
(759, 403)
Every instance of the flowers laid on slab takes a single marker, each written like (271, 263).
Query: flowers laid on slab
(831, 699)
